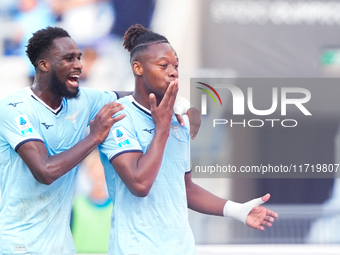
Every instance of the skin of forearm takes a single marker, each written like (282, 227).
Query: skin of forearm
(51, 168)
(203, 201)
(60, 164)
(147, 166)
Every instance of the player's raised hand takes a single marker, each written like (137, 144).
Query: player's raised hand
(102, 123)
(182, 106)
(162, 114)
(195, 121)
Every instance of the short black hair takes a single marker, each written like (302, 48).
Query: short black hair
(138, 38)
(42, 41)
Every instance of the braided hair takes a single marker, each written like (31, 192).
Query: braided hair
(137, 38)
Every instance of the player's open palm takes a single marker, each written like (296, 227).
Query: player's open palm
(260, 217)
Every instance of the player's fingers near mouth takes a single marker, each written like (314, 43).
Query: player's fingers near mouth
(152, 100)
(174, 92)
(168, 92)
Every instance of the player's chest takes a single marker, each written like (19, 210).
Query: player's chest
(177, 136)
(61, 130)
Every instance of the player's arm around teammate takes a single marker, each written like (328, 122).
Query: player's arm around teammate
(46, 169)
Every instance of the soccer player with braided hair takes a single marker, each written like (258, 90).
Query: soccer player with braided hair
(43, 138)
(146, 162)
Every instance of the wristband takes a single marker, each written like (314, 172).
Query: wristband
(240, 211)
(181, 105)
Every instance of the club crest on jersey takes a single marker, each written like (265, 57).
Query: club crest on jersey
(175, 130)
(73, 118)
(120, 136)
(23, 125)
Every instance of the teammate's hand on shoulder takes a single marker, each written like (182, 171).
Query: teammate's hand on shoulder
(194, 116)
(182, 106)
(102, 123)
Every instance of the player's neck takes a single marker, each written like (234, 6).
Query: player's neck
(141, 99)
(41, 90)
(141, 94)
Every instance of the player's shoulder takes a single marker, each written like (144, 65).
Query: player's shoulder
(19, 94)
(97, 93)
(129, 111)
(16, 100)
(126, 101)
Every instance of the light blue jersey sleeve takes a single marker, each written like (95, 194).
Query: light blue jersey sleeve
(121, 139)
(18, 124)
(98, 98)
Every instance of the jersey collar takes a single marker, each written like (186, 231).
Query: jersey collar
(139, 106)
(55, 111)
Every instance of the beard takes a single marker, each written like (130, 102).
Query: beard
(60, 88)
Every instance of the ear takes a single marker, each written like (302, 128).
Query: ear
(44, 65)
(137, 68)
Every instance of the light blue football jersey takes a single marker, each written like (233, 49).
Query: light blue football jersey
(34, 217)
(157, 223)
